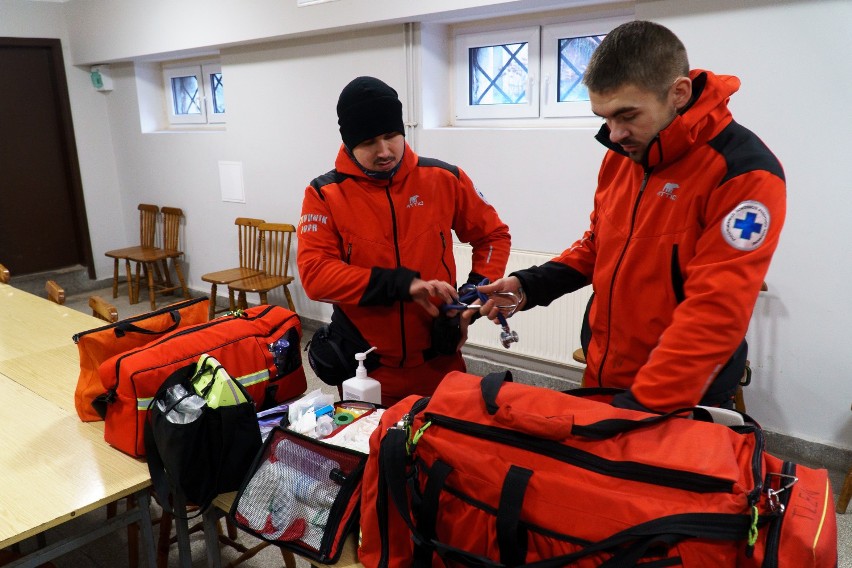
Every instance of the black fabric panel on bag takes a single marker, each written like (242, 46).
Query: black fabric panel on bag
(203, 458)
(511, 536)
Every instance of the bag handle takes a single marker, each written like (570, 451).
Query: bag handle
(560, 427)
(123, 328)
(553, 428)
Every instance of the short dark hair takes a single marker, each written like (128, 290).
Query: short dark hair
(641, 53)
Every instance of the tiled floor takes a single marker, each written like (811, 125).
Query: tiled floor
(110, 552)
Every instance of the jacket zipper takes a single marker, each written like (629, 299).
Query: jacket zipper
(398, 264)
(615, 272)
(444, 252)
(349, 254)
(176, 334)
(631, 471)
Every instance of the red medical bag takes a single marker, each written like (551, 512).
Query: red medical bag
(259, 347)
(492, 473)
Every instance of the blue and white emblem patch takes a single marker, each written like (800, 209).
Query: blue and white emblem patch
(746, 227)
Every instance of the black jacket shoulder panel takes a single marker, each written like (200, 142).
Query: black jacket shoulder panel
(744, 152)
(326, 179)
(433, 163)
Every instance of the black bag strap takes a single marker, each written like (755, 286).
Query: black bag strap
(511, 535)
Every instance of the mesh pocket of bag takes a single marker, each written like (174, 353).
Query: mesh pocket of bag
(291, 494)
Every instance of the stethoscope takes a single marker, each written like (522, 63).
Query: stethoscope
(470, 293)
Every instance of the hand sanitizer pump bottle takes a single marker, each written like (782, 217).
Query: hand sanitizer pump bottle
(362, 387)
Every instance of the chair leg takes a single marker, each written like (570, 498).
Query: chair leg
(845, 493)
(739, 400)
(164, 540)
(152, 293)
(115, 277)
(242, 303)
(263, 300)
(211, 310)
(289, 299)
(132, 292)
(232, 304)
(181, 279)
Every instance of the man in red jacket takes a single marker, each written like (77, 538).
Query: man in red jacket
(376, 241)
(687, 214)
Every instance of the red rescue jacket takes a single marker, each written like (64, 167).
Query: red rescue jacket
(676, 253)
(362, 241)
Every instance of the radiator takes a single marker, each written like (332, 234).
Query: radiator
(550, 333)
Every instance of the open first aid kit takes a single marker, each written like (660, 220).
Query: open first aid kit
(258, 347)
(546, 479)
(304, 489)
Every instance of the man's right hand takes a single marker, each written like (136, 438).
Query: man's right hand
(492, 307)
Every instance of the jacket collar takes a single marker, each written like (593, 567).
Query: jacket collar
(704, 117)
(346, 164)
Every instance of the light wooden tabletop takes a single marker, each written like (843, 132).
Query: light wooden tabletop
(53, 466)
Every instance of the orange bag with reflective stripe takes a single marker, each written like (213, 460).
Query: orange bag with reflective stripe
(97, 345)
(259, 347)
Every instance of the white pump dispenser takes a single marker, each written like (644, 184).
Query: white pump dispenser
(362, 387)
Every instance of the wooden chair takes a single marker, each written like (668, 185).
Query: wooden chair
(55, 292)
(147, 237)
(275, 262)
(249, 255)
(102, 309)
(4, 274)
(153, 260)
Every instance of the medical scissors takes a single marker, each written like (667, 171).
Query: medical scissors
(470, 293)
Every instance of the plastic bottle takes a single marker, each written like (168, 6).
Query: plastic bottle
(362, 387)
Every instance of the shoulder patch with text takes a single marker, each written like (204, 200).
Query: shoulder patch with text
(746, 226)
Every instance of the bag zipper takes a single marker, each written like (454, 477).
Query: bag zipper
(773, 537)
(164, 310)
(655, 475)
(382, 493)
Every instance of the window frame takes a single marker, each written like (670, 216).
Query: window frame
(550, 37)
(543, 59)
(464, 42)
(202, 71)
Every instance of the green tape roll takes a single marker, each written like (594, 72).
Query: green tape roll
(343, 418)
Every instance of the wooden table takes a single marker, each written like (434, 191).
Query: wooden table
(54, 466)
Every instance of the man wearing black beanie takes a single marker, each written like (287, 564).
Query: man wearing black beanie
(375, 240)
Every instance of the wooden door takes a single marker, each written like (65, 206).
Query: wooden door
(42, 214)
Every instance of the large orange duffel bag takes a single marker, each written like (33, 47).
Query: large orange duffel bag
(259, 347)
(489, 473)
(97, 345)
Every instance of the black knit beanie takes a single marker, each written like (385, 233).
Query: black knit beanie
(367, 108)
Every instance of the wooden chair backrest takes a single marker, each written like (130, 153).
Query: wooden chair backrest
(4, 274)
(148, 224)
(276, 239)
(249, 242)
(103, 309)
(171, 227)
(55, 292)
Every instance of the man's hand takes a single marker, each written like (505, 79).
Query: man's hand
(422, 290)
(505, 304)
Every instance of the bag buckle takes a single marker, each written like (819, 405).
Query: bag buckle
(786, 483)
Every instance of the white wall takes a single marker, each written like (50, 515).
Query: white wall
(281, 96)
